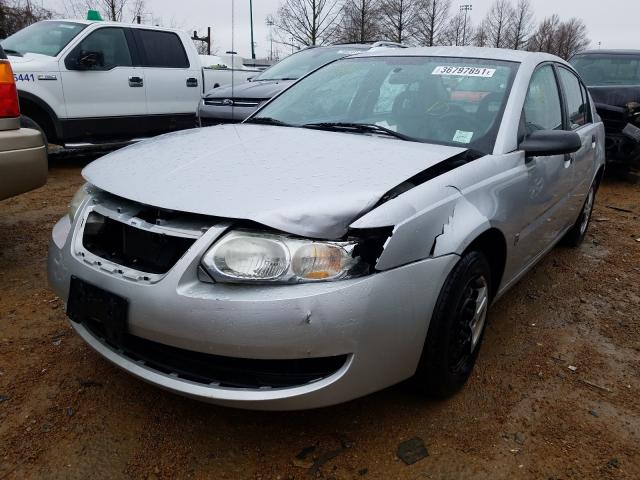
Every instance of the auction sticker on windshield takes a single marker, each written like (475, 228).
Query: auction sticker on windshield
(464, 71)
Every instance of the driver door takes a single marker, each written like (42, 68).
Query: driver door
(104, 92)
(549, 178)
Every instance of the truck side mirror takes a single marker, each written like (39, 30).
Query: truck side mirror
(90, 60)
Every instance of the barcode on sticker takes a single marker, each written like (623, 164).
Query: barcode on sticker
(465, 71)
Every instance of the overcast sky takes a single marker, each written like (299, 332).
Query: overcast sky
(612, 22)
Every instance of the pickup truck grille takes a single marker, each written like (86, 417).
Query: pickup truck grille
(234, 102)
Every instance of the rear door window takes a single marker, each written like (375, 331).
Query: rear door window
(162, 49)
(577, 107)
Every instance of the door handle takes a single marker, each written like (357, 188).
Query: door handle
(136, 82)
(192, 82)
(594, 142)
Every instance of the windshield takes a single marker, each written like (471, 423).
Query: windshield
(449, 101)
(608, 69)
(45, 38)
(301, 63)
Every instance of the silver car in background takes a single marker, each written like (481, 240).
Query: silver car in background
(234, 103)
(349, 235)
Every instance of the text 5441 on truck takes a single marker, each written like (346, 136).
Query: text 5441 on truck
(96, 82)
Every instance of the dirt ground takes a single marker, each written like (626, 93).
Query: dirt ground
(555, 394)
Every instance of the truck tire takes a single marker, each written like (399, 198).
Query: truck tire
(27, 122)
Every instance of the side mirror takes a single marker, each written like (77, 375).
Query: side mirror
(550, 142)
(249, 79)
(90, 60)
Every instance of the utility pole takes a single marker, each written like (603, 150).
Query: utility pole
(466, 9)
(253, 45)
(206, 39)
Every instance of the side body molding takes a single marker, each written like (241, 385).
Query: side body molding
(430, 220)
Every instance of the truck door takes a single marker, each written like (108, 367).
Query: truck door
(104, 92)
(174, 83)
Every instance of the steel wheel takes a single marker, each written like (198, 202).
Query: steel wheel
(586, 212)
(472, 317)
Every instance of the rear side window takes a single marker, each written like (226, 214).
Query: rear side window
(162, 49)
(577, 107)
(103, 49)
(542, 107)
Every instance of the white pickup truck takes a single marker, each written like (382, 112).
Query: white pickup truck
(93, 82)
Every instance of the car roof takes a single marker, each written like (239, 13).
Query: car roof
(619, 51)
(519, 56)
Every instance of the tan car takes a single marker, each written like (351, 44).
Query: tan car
(23, 154)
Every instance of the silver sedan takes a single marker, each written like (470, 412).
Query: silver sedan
(351, 234)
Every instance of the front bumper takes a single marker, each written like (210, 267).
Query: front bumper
(379, 322)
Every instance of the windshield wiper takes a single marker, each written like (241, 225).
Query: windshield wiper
(267, 121)
(12, 52)
(360, 128)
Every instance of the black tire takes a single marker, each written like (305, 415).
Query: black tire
(453, 341)
(28, 122)
(574, 237)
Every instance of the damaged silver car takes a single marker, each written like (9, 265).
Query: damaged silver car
(351, 234)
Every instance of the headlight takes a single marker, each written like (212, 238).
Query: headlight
(78, 200)
(266, 258)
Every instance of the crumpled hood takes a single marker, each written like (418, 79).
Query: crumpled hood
(306, 182)
(259, 89)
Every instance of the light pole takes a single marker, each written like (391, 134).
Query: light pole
(466, 9)
(270, 23)
(253, 46)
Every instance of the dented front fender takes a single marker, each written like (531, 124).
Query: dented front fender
(447, 225)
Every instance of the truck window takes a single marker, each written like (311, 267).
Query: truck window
(103, 49)
(162, 49)
(44, 38)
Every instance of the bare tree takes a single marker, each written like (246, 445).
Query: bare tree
(308, 22)
(114, 10)
(398, 19)
(521, 24)
(571, 38)
(481, 35)
(431, 21)
(454, 32)
(359, 21)
(498, 20)
(18, 14)
(544, 37)
(564, 39)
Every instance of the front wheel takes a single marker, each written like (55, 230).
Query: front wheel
(575, 236)
(457, 328)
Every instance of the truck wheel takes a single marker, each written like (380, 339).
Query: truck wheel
(575, 236)
(456, 329)
(27, 122)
